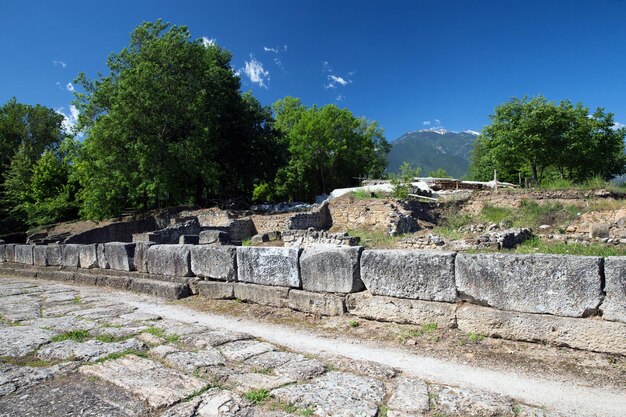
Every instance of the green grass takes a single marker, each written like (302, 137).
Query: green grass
(158, 332)
(536, 245)
(418, 332)
(257, 395)
(263, 371)
(105, 338)
(382, 411)
(475, 337)
(75, 335)
(117, 355)
(246, 242)
(306, 412)
(29, 360)
(494, 214)
(376, 239)
(353, 323)
(366, 195)
(76, 300)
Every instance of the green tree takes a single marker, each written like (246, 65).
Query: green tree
(328, 148)
(538, 138)
(168, 125)
(439, 173)
(25, 133)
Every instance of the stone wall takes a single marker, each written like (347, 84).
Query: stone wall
(574, 301)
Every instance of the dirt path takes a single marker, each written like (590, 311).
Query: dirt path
(569, 397)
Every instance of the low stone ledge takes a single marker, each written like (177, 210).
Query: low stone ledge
(15, 270)
(419, 275)
(269, 266)
(331, 269)
(171, 260)
(588, 334)
(169, 290)
(24, 254)
(85, 278)
(262, 294)
(562, 285)
(216, 290)
(71, 256)
(120, 255)
(55, 275)
(113, 281)
(317, 303)
(214, 262)
(88, 256)
(614, 305)
(401, 310)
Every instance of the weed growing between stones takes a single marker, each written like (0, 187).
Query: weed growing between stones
(263, 371)
(283, 406)
(75, 335)
(197, 393)
(76, 300)
(105, 338)
(257, 396)
(415, 333)
(117, 355)
(516, 409)
(475, 337)
(28, 360)
(8, 322)
(168, 337)
(382, 411)
(353, 323)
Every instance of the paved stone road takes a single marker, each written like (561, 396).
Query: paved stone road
(73, 351)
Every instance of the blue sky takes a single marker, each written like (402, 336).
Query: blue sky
(407, 64)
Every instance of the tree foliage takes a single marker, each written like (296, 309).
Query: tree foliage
(328, 148)
(169, 126)
(538, 138)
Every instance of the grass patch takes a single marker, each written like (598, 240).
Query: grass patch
(495, 214)
(306, 412)
(376, 239)
(75, 335)
(257, 396)
(366, 195)
(77, 300)
(29, 360)
(353, 323)
(117, 355)
(419, 332)
(246, 242)
(8, 322)
(263, 371)
(197, 393)
(536, 245)
(105, 338)
(475, 337)
(283, 406)
(382, 411)
(158, 332)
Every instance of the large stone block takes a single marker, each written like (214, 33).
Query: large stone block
(269, 266)
(71, 256)
(401, 310)
(216, 290)
(88, 256)
(614, 305)
(316, 303)
(141, 255)
(9, 252)
(420, 275)
(331, 269)
(102, 259)
(562, 285)
(587, 334)
(3, 252)
(262, 294)
(24, 254)
(120, 255)
(50, 255)
(169, 290)
(172, 260)
(214, 262)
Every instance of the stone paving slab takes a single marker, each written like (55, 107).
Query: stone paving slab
(22, 340)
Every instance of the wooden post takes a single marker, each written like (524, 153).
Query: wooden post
(495, 179)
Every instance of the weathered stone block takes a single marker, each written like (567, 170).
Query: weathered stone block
(50, 255)
(316, 303)
(269, 266)
(216, 290)
(113, 281)
(214, 262)
(213, 237)
(85, 278)
(173, 260)
(71, 256)
(40, 256)
(614, 305)
(24, 254)
(189, 240)
(56, 275)
(587, 334)
(401, 310)
(262, 294)
(331, 269)
(88, 256)
(102, 259)
(170, 290)
(3, 252)
(562, 285)
(120, 255)
(141, 255)
(599, 230)
(420, 275)
(9, 252)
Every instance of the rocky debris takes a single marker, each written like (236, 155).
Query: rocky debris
(562, 285)
(336, 270)
(421, 275)
(152, 382)
(599, 230)
(21, 340)
(312, 237)
(336, 394)
(214, 237)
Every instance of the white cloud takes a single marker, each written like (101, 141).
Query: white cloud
(334, 80)
(256, 73)
(340, 97)
(274, 50)
(70, 87)
(279, 63)
(437, 121)
(69, 120)
(326, 67)
(426, 122)
(208, 42)
(59, 64)
(618, 125)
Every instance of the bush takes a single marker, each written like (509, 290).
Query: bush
(402, 182)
